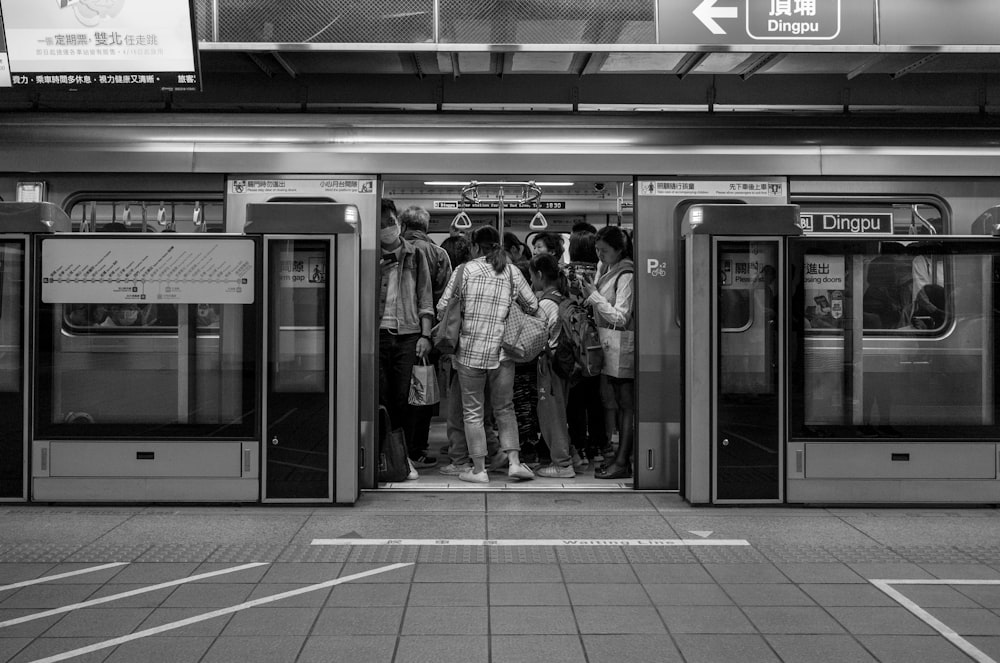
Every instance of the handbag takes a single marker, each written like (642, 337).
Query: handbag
(524, 336)
(444, 336)
(393, 462)
(424, 384)
(619, 352)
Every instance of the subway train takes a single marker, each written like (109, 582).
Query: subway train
(814, 315)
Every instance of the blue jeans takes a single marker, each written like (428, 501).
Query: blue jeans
(501, 391)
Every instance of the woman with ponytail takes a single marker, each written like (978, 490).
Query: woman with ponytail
(490, 286)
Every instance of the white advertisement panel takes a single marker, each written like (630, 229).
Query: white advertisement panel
(85, 39)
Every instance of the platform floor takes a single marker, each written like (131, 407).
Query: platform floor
(499, 577)
(431, 479)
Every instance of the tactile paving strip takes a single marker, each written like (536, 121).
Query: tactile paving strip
(109, 552)
(383, 554)
(38, 552)
(983, 554)
(797, 554)
(591, 555)
(728, 555)
(242, 553)
(314, 554)
(179, 552)
(522, 555)
(452, 554)
(933, 555)
(660, 555)
(864, 554)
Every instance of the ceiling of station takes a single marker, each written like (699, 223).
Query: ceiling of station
(237, 78)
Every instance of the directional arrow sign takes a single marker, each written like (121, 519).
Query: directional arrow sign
(775, 23)
(707, 12)
(703, 534)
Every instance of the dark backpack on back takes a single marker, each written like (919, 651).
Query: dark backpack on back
(579, 353)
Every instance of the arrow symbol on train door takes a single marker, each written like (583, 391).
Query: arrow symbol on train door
(703, 534)
(707, 12)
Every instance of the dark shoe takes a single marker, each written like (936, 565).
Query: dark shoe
(425, 461)
(613, 472)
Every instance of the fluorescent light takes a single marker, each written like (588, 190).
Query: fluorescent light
(487, 184)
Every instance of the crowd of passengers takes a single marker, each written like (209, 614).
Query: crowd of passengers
(524, 418)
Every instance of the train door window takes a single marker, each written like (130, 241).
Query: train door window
(894, 338)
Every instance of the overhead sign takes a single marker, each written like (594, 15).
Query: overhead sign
(100, 43)
(495, 204)
(847, 22)
(831, 223)
(302, 186)
(170, 270)
(713, 188)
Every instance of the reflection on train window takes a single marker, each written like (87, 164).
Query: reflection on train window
(134, 318)
(146, 370)
(123, 214)
(11, 319)
(895, 337)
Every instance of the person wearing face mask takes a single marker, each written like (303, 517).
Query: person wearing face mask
(406, 314)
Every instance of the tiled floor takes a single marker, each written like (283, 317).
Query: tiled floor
(540, 586)
(431, 479)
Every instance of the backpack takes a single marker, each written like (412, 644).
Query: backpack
(579, 353)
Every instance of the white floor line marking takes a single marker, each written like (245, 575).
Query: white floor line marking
(59, 576)
(530, 542)
(123, 595)
(217, 613)
(932, 621)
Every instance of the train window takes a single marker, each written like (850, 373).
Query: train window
(148, 214)
(894, 338)
(134, 318)
(146, 370)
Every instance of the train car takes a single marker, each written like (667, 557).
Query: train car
(813, 320)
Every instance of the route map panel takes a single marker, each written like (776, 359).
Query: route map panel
(144, 270)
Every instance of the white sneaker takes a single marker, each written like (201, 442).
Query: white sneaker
(474, 477)
(453, 470)
(520, 471)
(413, 475)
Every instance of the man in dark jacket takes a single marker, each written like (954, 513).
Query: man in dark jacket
(406, 315)
(415, 222)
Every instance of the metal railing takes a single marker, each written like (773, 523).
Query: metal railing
(427, 21)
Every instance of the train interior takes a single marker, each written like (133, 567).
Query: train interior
(524, 206)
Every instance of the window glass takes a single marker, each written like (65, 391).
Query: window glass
(893, 338)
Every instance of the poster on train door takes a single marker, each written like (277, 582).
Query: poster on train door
(302, 269)
(824, 279)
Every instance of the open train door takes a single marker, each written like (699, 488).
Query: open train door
(310, 381)
(734, 348)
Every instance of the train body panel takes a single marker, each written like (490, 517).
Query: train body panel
(853, 386)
